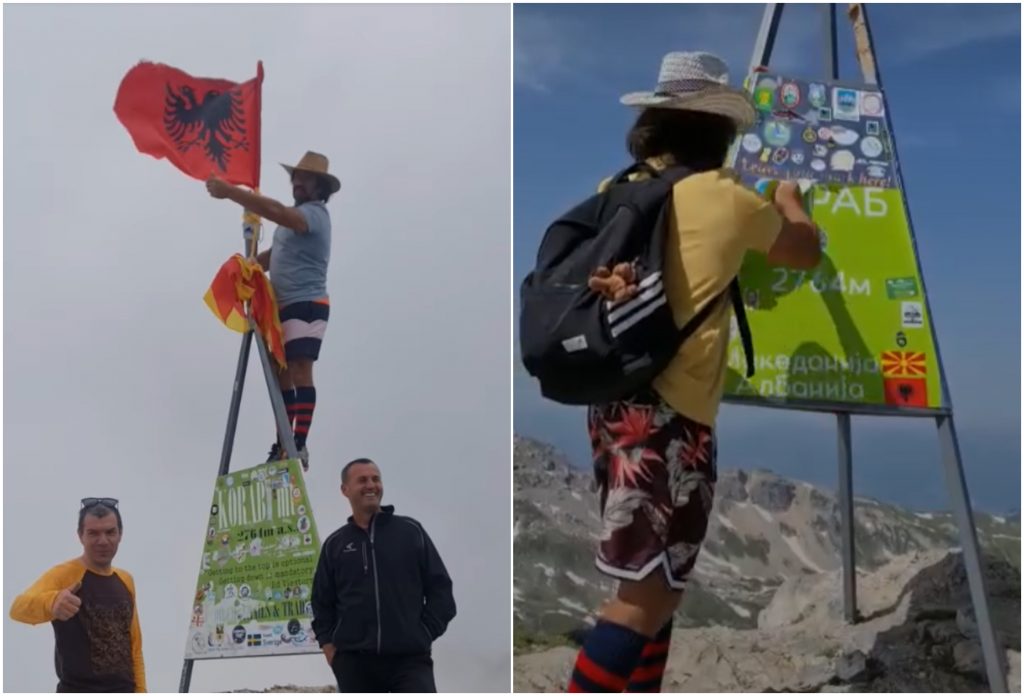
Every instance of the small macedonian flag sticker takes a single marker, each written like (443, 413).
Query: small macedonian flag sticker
(901, 363)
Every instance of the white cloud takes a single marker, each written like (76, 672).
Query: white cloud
(553, 50)
(949, 27)
(548, 50)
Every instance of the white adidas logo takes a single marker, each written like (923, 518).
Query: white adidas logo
(651, 296)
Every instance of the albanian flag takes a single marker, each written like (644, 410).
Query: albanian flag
(906, 391)
(201, 125)
(238, 281)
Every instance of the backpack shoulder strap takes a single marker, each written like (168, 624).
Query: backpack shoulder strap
(736, 296)
(697, 319)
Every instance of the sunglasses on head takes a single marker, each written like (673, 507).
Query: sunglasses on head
(93, 502)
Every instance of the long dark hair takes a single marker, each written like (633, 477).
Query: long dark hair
(323, 188)
(694, 139)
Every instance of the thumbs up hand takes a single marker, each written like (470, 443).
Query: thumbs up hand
(67, 603)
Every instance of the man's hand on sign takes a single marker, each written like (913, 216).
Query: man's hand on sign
(66, 604)
(329, 652)
(217, 187)
(788, 194)
(798, 245)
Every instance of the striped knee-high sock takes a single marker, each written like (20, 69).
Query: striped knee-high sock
(650, 671)
(606, 659)
(305, 402)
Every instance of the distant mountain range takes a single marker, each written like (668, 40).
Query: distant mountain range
(771, 543)
(763, 531)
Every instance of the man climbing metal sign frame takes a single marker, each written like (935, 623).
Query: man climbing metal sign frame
(261, 523)
(839, 136)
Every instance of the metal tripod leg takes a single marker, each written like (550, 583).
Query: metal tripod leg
(236, 401)
(225, 455)
(280, 419)
(846, 529)
(284, 426)
(186, 677)
(971, 552)
(766, 35)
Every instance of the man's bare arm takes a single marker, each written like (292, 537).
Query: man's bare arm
(798, 245)
(263, 206)
(268, 208)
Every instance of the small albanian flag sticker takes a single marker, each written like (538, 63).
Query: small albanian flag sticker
(906, 391)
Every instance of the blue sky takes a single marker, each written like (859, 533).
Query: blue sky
(952, 78)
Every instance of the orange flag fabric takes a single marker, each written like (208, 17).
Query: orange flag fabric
(238, 281)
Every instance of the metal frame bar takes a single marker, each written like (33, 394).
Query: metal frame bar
(811, 406)
(847, 523)
(765, 40)
(949, 446)
(961, 504)
(831, 47)
(280, 420)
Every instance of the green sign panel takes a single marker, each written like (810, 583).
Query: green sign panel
(855, 330)
(256, 574)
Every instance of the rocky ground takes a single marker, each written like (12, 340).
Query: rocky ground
(765, 610)
(919, 635)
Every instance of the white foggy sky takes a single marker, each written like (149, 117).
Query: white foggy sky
(118, 378)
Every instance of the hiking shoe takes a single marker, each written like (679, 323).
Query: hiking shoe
(304, 457)
(275, 453)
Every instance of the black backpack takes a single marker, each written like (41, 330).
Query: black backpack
(581, 350)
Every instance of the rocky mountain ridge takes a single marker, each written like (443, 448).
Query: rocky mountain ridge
(764, 610)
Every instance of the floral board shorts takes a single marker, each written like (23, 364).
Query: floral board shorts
(656, 473)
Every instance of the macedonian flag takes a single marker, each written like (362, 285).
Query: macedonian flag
(239, 281)
(901, 363)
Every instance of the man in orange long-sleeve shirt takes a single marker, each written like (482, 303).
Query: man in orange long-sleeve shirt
(92, 608)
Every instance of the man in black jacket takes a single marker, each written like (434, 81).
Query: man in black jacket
(381, 594)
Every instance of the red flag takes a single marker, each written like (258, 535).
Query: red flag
(906, 391)
(238, 281)
(201, 125)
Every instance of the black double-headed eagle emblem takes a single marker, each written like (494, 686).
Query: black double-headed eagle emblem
(216, 122)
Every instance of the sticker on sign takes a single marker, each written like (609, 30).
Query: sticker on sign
(897, 288)
(913, 315)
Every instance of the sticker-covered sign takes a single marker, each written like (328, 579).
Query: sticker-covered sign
(854, 330)
(846, 146)
(258, 562)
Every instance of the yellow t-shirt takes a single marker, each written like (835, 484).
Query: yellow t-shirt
(714, 221)
(108, 613)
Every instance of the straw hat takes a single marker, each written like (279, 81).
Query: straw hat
(697, 81)
(314, 163)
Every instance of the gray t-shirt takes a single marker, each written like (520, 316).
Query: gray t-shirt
(298, 261)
